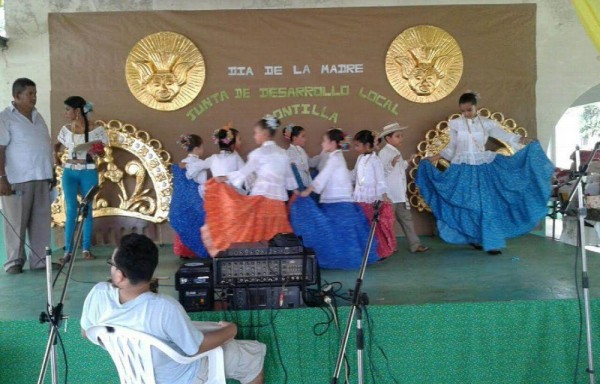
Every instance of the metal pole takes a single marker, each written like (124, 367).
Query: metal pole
(356, 296)
(360, 344)
(53, 314)
(585, 282)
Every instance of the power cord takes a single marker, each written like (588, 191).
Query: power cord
(372, 339)
(20, 238)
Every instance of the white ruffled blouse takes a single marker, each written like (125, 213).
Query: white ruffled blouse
(224, 162)
(70, 140)
(369, 179)
(273, 171)
(197, 170)
(299, 157)
(334, 181)
(468, 138)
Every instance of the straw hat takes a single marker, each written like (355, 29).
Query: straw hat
(390, 128)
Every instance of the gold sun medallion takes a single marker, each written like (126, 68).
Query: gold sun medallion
(424, 64)
(165, 71)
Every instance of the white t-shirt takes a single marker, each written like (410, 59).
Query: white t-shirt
(28, 146)
(70, 140)
(156, 314)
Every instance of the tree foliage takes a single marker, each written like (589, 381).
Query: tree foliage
(591, 121)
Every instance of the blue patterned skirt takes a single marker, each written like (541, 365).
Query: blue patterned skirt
(186, 214)
(488, 203)
(338, 232)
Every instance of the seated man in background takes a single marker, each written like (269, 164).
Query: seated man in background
(129, 302)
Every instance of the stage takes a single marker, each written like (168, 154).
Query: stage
(452, 315)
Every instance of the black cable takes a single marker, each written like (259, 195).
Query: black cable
(372, 336)
(368, 331)
(326, 324)
(285, 372)
(20, 238)
(62, 347)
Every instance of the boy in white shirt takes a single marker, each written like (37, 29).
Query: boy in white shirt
(394, 167)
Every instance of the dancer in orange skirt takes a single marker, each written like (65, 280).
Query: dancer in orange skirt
(369, 186)
(234, 218)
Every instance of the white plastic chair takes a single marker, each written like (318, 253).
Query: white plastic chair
(131, 351)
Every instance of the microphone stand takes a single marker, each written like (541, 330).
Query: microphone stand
(53, 314)
(358, 300)
(585, 281)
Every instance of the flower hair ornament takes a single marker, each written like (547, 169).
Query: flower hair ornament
(272, 122)
(88, 107)
(287, 131)
(229, 137)
(184, 141)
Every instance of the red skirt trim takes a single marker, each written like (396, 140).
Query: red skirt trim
(179, 249)
(385, 234)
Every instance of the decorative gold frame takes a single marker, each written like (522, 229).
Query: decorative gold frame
(150, 204)
(437, 139)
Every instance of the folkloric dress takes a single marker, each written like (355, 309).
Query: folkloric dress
(337, 229)
(186, 213)
(369, 186)
(484, 197)
(233, 218)
(299, 157)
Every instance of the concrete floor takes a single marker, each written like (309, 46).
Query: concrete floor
(531, 268)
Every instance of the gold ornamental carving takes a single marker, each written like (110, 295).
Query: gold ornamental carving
(424, 64)
(137, 183)
(165, 71)
(438, 138)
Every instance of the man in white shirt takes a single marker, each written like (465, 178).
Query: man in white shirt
(394, 167)
(25, 177)
(128, 302)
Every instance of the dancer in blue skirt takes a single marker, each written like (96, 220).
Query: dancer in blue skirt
(186, 213)
(484, 198)
(337, 229)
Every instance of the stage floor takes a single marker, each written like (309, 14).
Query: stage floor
(530, 268)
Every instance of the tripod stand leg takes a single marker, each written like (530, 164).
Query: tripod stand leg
(48, 355)
(585, 283)
(356, 303)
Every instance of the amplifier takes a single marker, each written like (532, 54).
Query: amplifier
(198, 299)
(232, 271)
(261, 248)
(193, 280)
(194, 274)
(266, 298)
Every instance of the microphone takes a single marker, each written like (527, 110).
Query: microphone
(90, 195)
